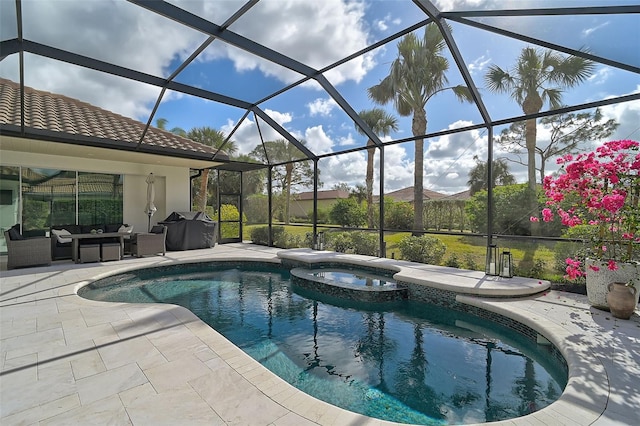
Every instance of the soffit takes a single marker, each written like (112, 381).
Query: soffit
(8, 143)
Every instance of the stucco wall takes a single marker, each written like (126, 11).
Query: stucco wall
(172, 183)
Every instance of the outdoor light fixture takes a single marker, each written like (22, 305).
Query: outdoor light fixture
(491, 267)
(506, 264)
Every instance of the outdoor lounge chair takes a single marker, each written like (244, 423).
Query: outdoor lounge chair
(143, 244)
(23, 251)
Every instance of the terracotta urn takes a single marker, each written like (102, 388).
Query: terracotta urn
(622, 300)
(599, 276)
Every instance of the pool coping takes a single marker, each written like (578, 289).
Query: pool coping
(461, 281)
(595, 373)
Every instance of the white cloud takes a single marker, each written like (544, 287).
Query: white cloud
(601, 75)
(130, 36)
(479, 64)
(347, 140)
(281, 118)
(398, 169)
(628, 115)
(322, 107)
(381, 25)
(317, 140)
(348, 168)
(587, 32)
(333, 27)
(247, 136)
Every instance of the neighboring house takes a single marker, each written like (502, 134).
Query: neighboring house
(302, 203)
(70, 152)
(406, 195)
(464, 196)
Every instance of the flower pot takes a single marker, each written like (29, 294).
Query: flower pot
(622, 300)
(598, 281)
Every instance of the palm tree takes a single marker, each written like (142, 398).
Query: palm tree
(415, 76)
(214, 138)
(161, 123)
(478, 175)
(380, 123)
(539, 76)
(295, 172)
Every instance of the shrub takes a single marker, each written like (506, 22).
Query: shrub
(286, 240)
(323, 215)
(423, 249)
(229, 229)
(570, 249)
(260, 234)
(364, 243)
(256, 208)
(348, 213)
(511, 211)
(397, 215)
(535, 271)
(453, 261)
(338, 241)
(470, 262)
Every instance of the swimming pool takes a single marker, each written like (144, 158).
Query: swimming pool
(402, 361)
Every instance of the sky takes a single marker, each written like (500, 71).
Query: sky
(317, 34)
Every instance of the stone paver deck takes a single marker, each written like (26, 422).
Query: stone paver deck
(68, 360)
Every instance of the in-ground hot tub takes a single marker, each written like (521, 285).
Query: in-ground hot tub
(349, 284)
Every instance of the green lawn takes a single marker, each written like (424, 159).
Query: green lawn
(534, 259)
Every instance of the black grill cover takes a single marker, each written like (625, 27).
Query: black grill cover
(190, 230)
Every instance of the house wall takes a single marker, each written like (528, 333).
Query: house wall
(300, 208)
(172, 186)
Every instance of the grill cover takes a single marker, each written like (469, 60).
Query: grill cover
(190, 230)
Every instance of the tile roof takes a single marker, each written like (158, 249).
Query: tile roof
(406, 194)
(61, 114)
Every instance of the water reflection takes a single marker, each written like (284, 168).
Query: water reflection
(405, 362)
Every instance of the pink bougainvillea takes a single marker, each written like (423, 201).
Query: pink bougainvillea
(601, 189)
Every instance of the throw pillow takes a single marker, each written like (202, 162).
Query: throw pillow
(60, 233)
(15, 235)
(127, 229)
(157, 229)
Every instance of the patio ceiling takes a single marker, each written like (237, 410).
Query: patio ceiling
(214, 28)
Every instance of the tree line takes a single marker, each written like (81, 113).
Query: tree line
(418, 74)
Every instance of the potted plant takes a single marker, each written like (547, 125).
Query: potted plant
(600, 189)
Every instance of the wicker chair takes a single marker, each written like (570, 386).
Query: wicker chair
(143, 244)
(28, 251)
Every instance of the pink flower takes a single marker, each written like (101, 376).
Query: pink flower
(595, 191)
(613, 203)
(534, 219)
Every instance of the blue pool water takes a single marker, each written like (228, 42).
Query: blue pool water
(402, 361)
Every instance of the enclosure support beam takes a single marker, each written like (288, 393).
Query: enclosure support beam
(383, 248)
(270, 202)
(489, 185)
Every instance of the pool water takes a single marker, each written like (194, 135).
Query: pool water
(404, 361)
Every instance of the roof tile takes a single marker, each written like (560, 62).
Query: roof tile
(58, 113)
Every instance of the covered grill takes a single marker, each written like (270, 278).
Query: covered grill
(190, 230)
